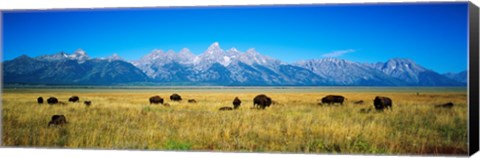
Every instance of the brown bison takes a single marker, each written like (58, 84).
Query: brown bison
(57, 120)
(40, 100)
(225, 108)
(175, 97)
(156, 99)
(87, 103)
(446, 105)
(74, 99)
(192, 101)
(236, 103)
(332, 99)
(261, 101)
(358, 102)
(52, 100)
(382, 103)
(166, 105)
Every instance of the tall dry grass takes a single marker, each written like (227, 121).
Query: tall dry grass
(125, 120)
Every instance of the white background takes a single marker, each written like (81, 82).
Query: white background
(73, 153)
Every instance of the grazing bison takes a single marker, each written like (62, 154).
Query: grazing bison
(261, 101)
(40, 100)
(365, 110)
(446, 105)
(87, 103)
(166, 105)
(57, 120)
(358, 102)
(192, 101)
(156, 99)
(74, 99)
(225, 108)
(236, 103)
(332, 99)
(381, 103)
(175, 97)
(52, 100)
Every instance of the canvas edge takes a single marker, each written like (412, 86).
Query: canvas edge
(473, 47)
(1, 74)
(224, 5)
(473, 73)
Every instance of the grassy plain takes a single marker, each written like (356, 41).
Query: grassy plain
(124, 119)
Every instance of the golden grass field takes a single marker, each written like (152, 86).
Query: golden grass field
(124, 119)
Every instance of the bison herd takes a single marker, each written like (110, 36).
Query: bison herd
(174, 97)
(53, 100)
(262, 101)
(380, 103)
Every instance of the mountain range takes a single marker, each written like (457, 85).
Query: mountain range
(216, 66)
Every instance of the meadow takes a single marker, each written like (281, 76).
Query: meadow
(123, 118)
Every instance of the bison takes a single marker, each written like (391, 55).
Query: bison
(446, 105)
(236, 103)
(261, 101)
(332, 99)
(358, 102)
(74, 99)
(57, 120)
(382, 103)
(87, 103)
(225, 108)
(175, 97)
(156, 99)
(192, 101)
(40, 100)
(52, 100)
(365, 110)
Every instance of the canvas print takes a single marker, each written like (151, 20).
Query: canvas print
(319, 78)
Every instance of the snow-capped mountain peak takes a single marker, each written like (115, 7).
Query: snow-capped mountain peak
(184, 50)
(233, 50)
(233, 53)
(113, 57)
(252, 51)
(214, 48)
(214, 54)
(185, 56)
(80, 52)
(401, 65)
(155, 54)
(215, 44)
(251, 56)
(404, 69)
(186, 53)
(170, 52)
(79, 55)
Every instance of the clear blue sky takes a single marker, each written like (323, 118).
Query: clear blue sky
(432, 34)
